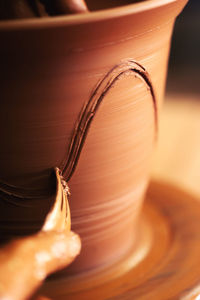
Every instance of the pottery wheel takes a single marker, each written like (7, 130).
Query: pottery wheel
(164, 265)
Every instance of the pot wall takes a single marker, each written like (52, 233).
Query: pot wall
(48, 72)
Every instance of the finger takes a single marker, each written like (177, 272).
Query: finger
(70, 6)
(25, 263)
(60, 250)
(76, 6)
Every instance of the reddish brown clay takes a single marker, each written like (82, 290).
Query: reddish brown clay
(51, 70)
(26, 262)
(171, 218)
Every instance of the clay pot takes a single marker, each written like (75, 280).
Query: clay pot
(83, 93)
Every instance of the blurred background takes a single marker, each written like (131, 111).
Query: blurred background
(184, 67)
(177, 157)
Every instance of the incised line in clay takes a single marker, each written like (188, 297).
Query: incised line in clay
(82, 127)
(90, 108)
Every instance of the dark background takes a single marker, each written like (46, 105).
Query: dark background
(184, 64)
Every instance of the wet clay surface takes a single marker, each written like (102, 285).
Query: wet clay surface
(26, 262)
(47, 78)
(168, 271)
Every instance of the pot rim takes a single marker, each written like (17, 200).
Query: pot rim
(75, 19)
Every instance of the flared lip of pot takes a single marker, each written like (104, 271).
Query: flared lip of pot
(100, 15)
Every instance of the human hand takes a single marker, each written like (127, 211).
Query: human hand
(26, 262)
